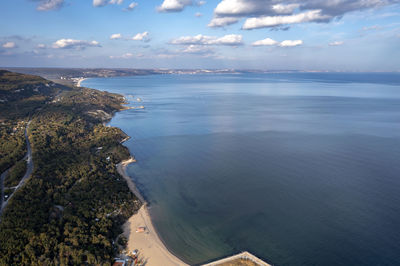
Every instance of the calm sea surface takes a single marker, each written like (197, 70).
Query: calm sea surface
(299, 169)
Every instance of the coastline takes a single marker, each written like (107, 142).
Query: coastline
(78, 84)
(151, 248)
(121, 168)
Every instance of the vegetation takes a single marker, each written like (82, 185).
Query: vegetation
(12, 143)
(21, 95)
(71, 209)
(8, 192)
(15, 174)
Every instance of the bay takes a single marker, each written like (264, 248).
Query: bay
(299, 169)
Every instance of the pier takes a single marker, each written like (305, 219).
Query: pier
(244, 258)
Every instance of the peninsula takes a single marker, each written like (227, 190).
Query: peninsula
(71, 208)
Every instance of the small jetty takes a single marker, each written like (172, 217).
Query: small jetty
(245, 258)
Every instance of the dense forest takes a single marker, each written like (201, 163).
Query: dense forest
(12, 143)
(15, 174)
(71, 209)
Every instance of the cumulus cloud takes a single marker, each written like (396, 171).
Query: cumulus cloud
(229, 40)
(284, 9)
(116, 36)
(290, 43)
(144, 36)
(265, 42)
(273, 21)
(41, 46)
(131, 6)
(273, 13)
(336, 43)
(222, 21)
(46, 5)
(271, 42)
(243, 8)
(9, 45)
(74, 44)
(198, 14)
(174, 5)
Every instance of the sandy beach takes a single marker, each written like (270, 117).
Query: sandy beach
(151, 249)
(78, 84)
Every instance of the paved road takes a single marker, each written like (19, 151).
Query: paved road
(29, 169)
(3, 176)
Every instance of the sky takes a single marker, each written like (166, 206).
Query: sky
(312, 35)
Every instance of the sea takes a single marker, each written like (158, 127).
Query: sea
(296, 168)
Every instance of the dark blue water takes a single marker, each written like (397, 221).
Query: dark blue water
(299, 169)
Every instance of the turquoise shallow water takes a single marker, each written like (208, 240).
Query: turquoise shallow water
(299, 169)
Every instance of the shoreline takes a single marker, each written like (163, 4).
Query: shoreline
(121, 168)
(78, 84)
(150, 246)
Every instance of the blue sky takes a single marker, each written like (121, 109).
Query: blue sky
(333, 35)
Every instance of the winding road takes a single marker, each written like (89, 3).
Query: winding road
(29, 169)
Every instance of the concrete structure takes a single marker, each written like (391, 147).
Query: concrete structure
(244, 256)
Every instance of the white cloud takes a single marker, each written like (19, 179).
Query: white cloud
(200, 3)
(74, 44)
(144, 36)
(9, 45)
(46, 5)
(124, 56)
(198, 14)
(273, 13)
(336, 43)
(290, 43)
(235, 7)
(98, 3)
(230, 40)
(116, 36)
(118, 2)
(131, 6)
(265, 42)
(272, 21)
(222, 21)
(285, 9)
(174, 5)
(271, 42)
(41, 46)
(253, 7)
(197, 49)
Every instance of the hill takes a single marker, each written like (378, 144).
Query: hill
(70, 210)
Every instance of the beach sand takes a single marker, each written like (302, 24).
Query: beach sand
(78, 84)
(151, 249)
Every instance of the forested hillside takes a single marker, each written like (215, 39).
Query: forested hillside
(72, 207)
